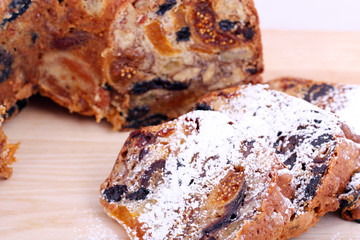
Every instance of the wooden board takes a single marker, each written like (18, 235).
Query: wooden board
(63, 158)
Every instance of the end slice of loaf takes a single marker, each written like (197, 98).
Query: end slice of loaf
(134, 63)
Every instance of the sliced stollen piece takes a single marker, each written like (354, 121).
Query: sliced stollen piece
(342, 100)
(197, 177)
(132, 62)
(308, 140)
(7, 151)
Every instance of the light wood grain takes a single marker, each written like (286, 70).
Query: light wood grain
(63, 158)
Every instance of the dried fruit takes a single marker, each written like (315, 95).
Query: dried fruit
(17, 8)
(138, 195)
(163, 8)
(6, 61)
(183, 35)
(157, 83)
(114, 193)
(318, 90)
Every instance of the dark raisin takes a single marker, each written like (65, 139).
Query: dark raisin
(344, 204)
(157, 83)
(247, 32)
(163, 8)
(138, 195)
(284, 144)
(145, 138)
(310, 189)
(203, 107)
(107, 87)
(115, 192)
(290, 162)
(6, 61)
(73, 39)
(227, 25)
(179, 164)
(60, 1)
(16, 108)
(320, 169)
(153, 119)
(143, 153)
(158, 165)
(191, 181)
(252, 71)
(197, 122)
(183, 35)
(316, 91)
(17, 8)
(137, 113)
(230, 214)
(34, 37)
(317, 121)
(324, 138)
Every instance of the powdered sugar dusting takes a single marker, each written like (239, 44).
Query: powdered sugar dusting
(202, 150)
(92, 227)
(214, 147)
(293, 127)
(354, 184)
(345, 103)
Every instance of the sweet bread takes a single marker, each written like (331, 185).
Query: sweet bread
(309, 141)
(7, 151)
(342, 100)
(197, 177)
(133, 62)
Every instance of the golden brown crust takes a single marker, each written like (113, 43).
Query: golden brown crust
(7, 151)
(329, 172)
(131, 62)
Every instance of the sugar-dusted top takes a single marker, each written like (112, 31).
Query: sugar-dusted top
(344, 101)
(202, 149)
(302, 135)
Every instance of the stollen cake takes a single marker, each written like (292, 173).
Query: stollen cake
(7, 151)
(308, 140)
(342, 100)
(132, 62)
(197, 177)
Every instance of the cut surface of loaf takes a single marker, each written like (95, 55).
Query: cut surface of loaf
(7, 151)
(197, 177)
(342, 100)
(133, 62)
(309, 141)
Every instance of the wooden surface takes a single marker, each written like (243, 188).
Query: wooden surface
(63, 158)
